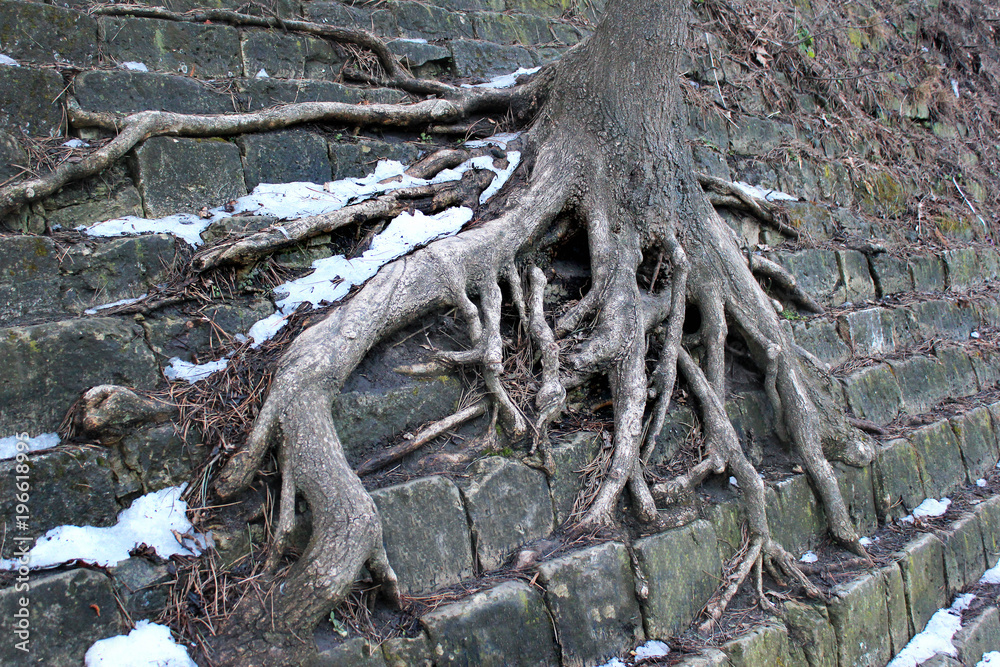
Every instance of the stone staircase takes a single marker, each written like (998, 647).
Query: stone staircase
(909, 335)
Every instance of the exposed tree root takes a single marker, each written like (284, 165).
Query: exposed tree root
(426, 198)
(723, 193)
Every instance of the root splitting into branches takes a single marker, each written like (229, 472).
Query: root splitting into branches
(604, 157)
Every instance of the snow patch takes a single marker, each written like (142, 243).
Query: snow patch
(77, 143)
(184, 370)
(134, 66)
(809, 557)
(504, 80)
(156, 519)
(734, 482)
(936, 636)
(333, 277)
(501, 140)
(147, 645)
(652, 649)
(929, 508)
(866, 541)
(412, 40)
(123, 302)
(262, 74)
(991, 659)
(7, 60)
(9, 448)
(614, 662)
(763, 193)
(992, 575)
(981, 483)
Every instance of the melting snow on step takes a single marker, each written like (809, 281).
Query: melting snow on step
(9, 448)
(178, 369)
(123, 302)
(991, 659)
(928, 508)
(504, 80)
(133, 66)
(936, 637)
(758, 192)
(288, 201)
(147, 645)
(7, 60)
(156, 519)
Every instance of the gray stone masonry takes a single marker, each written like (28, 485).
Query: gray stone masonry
(479, 59)
(508, 505)
(282, 56)
(44, 34)
(898, 476)
(47, 366)
(506, 626)
(940, 451)
(257, 94)
(873, 394)
(978, 636)
(895, 600)
(31, 101)
(425, 533)
(184, 175)
(682, 568)
(63, 624)
(767, 644)
(978, 440)
(922, 565)
(355, 652)
(354, 160)
(569, 458)
(860, 618)
(191, 49)
(284, 157)
(796, 519)
(590, 594)
(809, 627)
(964, 557)
(126, 92)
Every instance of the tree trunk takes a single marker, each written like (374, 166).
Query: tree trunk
(607, 149)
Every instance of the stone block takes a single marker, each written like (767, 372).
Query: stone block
(988, 514)
(809, 218)
(13, 159)
(183, 175)
(758, 135)
(964, 558)
(472, 58)
(796, 519)
(873, 393)
(569, 458)
(928, 273)
(31, 100)
(962, 268)
(820, 337)
(958, 370)
(707, 657)
(69, 486)
(407, 651)
(280, 55)
(257, 94)
(860, 618)
(47, 34)
(978, 441)
(922, 383)
(508, 505)
(986, 363)
(421, 21)
(193, 338)
(359, 159)
(418, 54)
(857, 488)
(161, 456)
(870, 332)
(29, 271)
(682, 567)
(922, 565)
(142, 586)
(727, 519)
(64, 624)
(425, 532)
(365, 419)
(978, 636)
(816, 271)
(764, 645)
(284, 157)
(506, 626)
(591, 596)
(942, 319)
(47, 366)
(191, 49)
(891, 275)
(511, 28)
(677, 427)
(381, 19)
(323, 60)
(809, 627)
(104, 272)
(128, 92)
(942, 456)
(858, 284)
(111, 194)
(900, 631)
(898, 475)
(354, 652)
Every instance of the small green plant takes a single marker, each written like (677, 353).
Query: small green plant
(806, 42)
(789, 314)
(425, 138)
(338, 627)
